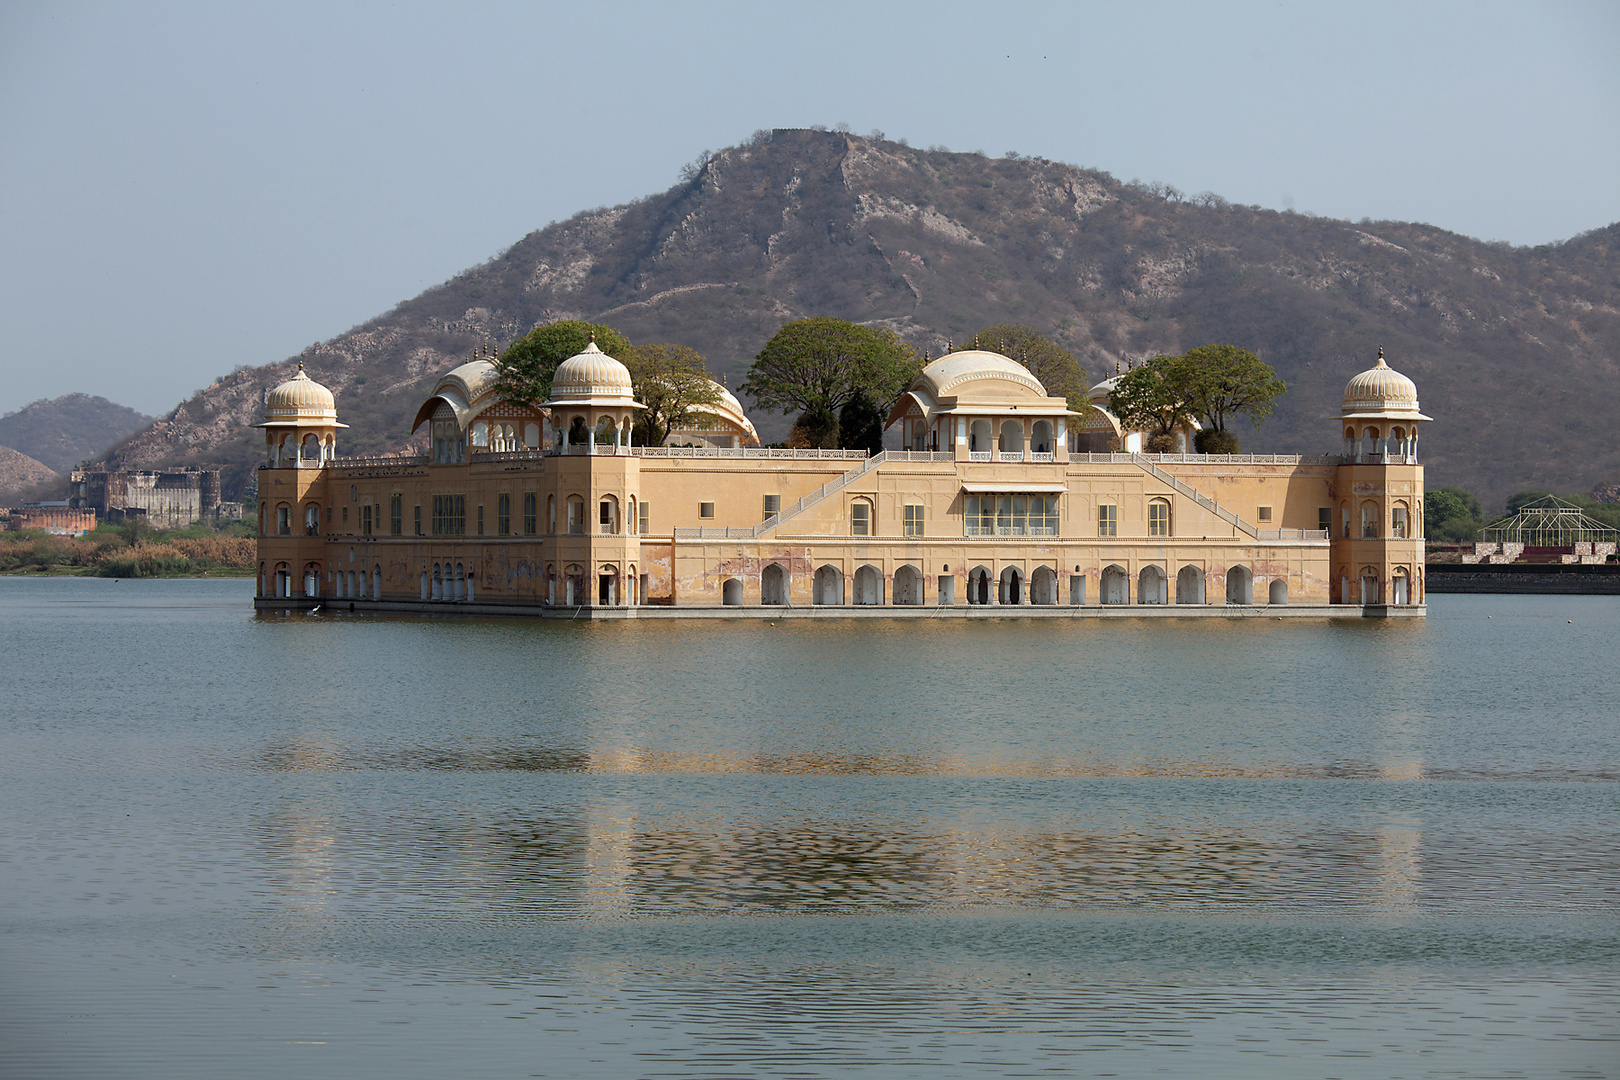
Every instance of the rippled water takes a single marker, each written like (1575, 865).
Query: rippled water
(348, 845)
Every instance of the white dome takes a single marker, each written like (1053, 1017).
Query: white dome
(300, 398)
(590, 374)
(1380, 389)
(970, 365)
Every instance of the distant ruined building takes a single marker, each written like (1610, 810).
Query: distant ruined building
(169, 499)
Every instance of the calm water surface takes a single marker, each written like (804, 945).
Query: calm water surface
(259, 846)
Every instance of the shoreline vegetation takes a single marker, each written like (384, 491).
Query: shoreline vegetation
(133, 550)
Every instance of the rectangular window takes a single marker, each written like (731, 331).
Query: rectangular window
(860, 519)
(365, 520)
(705, 510)
(646, 516)
(1011, 515)
(1107, 520)
(1158, 519)
(396, 515)
(773, 505)
(416, 515)
(503, 515)
(1263, 513)
(449, 515)
(1324, 519)
(914, 519)
(530, 524)
(1043, 515)
(480, 519)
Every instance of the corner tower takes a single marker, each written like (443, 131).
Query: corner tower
(300, 433)
(1378, 532)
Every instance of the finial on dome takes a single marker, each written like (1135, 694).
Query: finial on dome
(300, 367)
(592, 340)
(950, 346)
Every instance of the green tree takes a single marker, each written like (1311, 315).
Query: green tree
(815, 429)
(860, 426)
(817, 366)
(1452, 515)
(525, 368)
(1049, 362)
(671, 381)
(1219, 382)
(1149, 398)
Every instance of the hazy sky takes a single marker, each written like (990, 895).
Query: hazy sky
(185, 188)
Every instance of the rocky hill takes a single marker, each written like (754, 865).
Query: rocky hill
(1513, 349)
(68, 430)
(21, 477)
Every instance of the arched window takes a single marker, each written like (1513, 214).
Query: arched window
(731, 592)
(283, 520)
(1344, 514)
(1159, 518)
(1278, 591)
(1401, 586)
(1040, 437)
(1369, 519)
(480, 434)
(1399, 525)
(1151, 587)
(773, 585)
(828, 586)
(979, 438)
(1010, 586)
(1370, 585)
(1115, 585)
(607, 516)
(425, 585)
(860, 517)
(551, 514)
(1043, 586)
(1239, 585)
(1190, 585)
(908, 586)
(312, 580)
(979, 585)
(531, 436)
(1012, 437)
(630, 522)
(376, 582)
(576, 515)
(868, 585)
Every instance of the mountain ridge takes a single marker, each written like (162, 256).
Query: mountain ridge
(1513, 349)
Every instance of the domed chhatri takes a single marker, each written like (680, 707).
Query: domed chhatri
(300, 422)
(986, 403)
(592, 403)
(591, 374)
(300, 398)
(1381, 391)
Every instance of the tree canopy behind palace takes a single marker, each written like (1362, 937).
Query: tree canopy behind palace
(1212, 383)
(818, 366)
(673, 383)
(526, 367)
(1053, 365)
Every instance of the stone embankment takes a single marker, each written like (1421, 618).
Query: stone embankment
(1551, 578)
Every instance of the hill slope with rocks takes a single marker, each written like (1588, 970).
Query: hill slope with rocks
(65, 431)
(21, 477)
(1513, 349)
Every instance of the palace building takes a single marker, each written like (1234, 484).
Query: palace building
(1002, 501)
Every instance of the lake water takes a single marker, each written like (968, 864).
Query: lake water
(346, 845)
